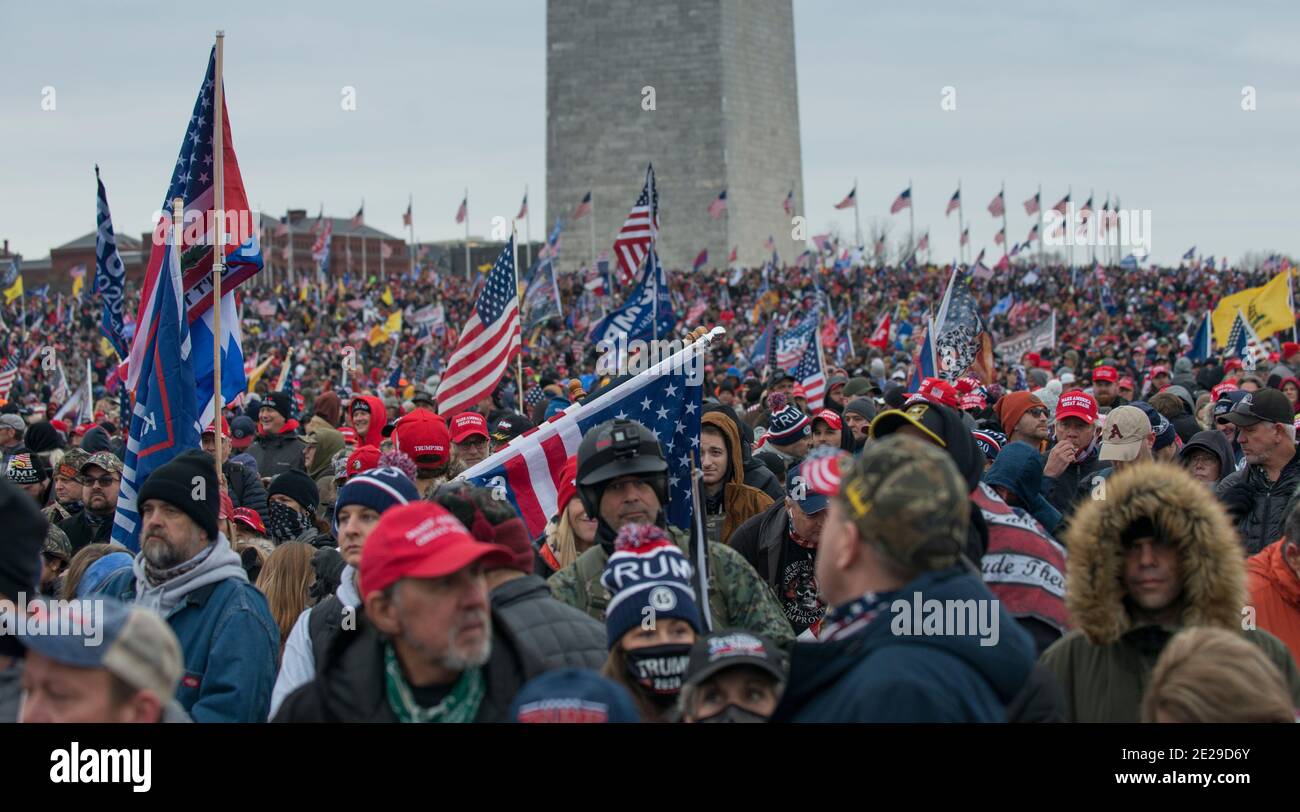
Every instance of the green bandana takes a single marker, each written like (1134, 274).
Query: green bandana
(461, 705)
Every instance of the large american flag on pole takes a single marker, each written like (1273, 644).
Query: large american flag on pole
(633, 241)
(790, 346)
(488, 342)
(7, 375)
(810, 375)
(667, 399)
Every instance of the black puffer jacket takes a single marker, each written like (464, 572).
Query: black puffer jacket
(1073, 485)
(564, 637)
(245, 488)
(1259, 507)
(277, 453)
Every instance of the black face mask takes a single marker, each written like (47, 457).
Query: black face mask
(733, 713)
(658, 670)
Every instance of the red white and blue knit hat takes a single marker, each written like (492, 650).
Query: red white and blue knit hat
(648, 577)
(787, 424)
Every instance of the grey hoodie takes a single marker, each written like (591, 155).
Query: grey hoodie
(216, 563)
(1217, 444)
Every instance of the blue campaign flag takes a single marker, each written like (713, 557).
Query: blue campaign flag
(636, 318)
(164, 420)
(923, 365)
(1202, 348)
(1004, 305)
(758, 355)
(110, 273)
(1129, 263)
(902, 334)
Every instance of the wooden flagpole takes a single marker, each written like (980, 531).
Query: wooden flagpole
(219, 253)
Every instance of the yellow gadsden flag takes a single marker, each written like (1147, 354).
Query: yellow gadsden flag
(394, 325)
(78, 283)
(387, 298)
(1267, 308)
(14, 291)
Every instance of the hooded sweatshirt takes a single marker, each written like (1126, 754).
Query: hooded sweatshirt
(1019, 469)
(378, 418)
(328, 443)
(1215, 442)
(329, 407)
(1104, 666)
(737, 501)
(1275, 595)
(215, 563)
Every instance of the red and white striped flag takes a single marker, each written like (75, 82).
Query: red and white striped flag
(810, 375)
(849, 200)
(1031, 205)
(523, 208)
(1059, 208)
(923, 244)
(488, 341)
(385, 250)
(719, 205)
(1000, 237)
(953, 202)
(463, 211)
(7, 375)
(998, 206)
(584, 208)
(633, 241)
(788, 203)
(965, 236)
(406, 218)
(359, 219)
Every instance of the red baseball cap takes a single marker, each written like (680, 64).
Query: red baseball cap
(81, 430)
(225, 427)
(422, 436)
(421, 540)
(60, 425)
(1076, 403)
(349, 435)
(832, 419)
(248, 518)
(799, 392)
(568, 487)
(1125, 383)
(1159, 369)
(1289, 348)
(1105, 374)
(1225, 386)
(937, 390)
(973, 400)
(1033, 358)
(1231, 364)
(467, 424)
(362, 460)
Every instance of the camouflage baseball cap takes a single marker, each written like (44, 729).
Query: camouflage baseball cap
(906, 496)
(57, 543)
(70, 465)
(104, 459)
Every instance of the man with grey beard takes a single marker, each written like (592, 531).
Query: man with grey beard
(187, 572)
(428, 647)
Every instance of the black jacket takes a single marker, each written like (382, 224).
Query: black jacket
(564, 637)
(1064, 492)
(245, 488)
(277, 453)
(350, 687)
(80, 532)
(760, 538)
(1258, 506)
(758, 475)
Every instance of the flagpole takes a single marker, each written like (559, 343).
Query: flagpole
(514, 260)
(911, 218)
(1069, 193)
(857, 223)
(1005, 231)
(410, 226)
(591, 222)
(1040, 227)
(219, 255)
(90, 392)
(961, 226)
(528, 230)
(1092, 230)
(466, 198)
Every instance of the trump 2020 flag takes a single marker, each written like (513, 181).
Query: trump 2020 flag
(110, 273)
(923, 365)
(1201, 347)
(666, 399)
(164, 418)
(636, 318)
(961, 340)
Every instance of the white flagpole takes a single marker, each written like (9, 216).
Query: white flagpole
(219, 255)
(961, 226)
(528, 230)
(519, 356)
(857, 223)
(466, 198)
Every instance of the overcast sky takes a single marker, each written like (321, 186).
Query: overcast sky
(1117, 97)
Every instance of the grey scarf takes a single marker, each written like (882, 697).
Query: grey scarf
(164, 590)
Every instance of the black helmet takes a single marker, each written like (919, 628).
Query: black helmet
(618, 448)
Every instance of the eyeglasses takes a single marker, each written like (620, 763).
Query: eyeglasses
(101, 481)
(1038, 411)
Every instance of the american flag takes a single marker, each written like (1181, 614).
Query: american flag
(584, 208)
(1031, 205)
(719, 205)
(923, 244)
(523, 208)
(1059, 208)
(998, 206)
(732, 256)
(769, 244)
(700, 261)
(359, 219)
(1033, 234)
(903, 201)
(1000, 237)
(953, 203)
(7, 375)
(965, 236)
(788, 203)
(463, 211)
(850, 200)
(961, 340)
(790, 346)
(663, 399)
(810, 375)
(406, 218)
(633, 241)
(488, 341)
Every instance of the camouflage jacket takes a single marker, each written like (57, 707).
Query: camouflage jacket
(738, 597)
(55, 513)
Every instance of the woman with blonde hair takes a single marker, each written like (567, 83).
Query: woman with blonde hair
(1207, 674)
(286, 580)
(570, 533)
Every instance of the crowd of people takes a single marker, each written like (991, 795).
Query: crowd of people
(1119, 520)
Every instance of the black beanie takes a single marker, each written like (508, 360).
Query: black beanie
(280, 402)
(20, 553)
(174, 484)
(43, 437)
(297, 486)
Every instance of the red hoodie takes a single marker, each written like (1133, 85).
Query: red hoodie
(378, 417)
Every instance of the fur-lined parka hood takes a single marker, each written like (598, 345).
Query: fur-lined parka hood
(1180, 507)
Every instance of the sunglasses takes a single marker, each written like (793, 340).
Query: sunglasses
(1038, 411)
(101, 481)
